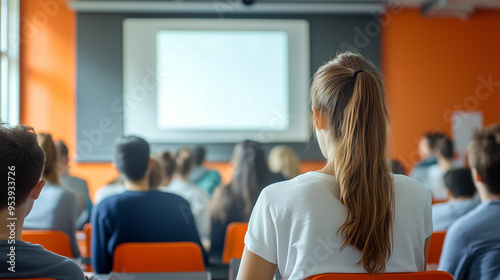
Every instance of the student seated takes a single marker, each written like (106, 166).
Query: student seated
(460, 190)
(284, 161)
(21, 164)
(56, 207)
(426, 149)
(139, 214)
(77, 185)
(471, 248)
(354, 215)
(234, 202)
(444, 155)
(180, 185)
(206, 179)
(167, 165)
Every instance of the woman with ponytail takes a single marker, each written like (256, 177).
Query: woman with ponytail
(354, 215)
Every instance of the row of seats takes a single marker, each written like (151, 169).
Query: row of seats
(188, 256)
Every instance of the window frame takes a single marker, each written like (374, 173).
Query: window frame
(9, 61)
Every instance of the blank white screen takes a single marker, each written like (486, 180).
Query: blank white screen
(222, 80)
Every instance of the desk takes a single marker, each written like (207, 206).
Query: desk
(154, 276)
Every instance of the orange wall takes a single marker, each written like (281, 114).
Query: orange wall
(432, 66)
(429, 64)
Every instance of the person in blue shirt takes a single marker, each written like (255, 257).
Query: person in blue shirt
(471, 248)
(206, 179)
(140, 214)
(460, 189)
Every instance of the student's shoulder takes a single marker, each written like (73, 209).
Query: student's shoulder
(57, 266)
(294, 187)
(410, 186)
(469, 224)
(170, 196)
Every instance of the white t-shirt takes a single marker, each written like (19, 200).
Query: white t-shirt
(198, 200)
(294, 225)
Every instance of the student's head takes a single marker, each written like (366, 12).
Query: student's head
(62, 149)
(459, 183)
(351, 124)
(184, 162)
(51, 170)
(397, 167)
(167, 163)
(131, 157)
(428, 142)
(21, 155)
(199, 155)
(444, 148)
(156, 174)
(484, 158)
(282, 159)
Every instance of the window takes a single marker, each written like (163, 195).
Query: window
(9, 61)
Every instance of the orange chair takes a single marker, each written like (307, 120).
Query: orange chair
(234, 243)
(158, 257)
(87, 229)
(425, 275)
(52, 240)
(434, 201)
(436, 246)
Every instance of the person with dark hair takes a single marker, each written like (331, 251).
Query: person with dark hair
(354, 215)
(234, 202)
(444, 152)
(139, 214)
(460, 191)
(56, 207)
(397, 167)
(180, 185)
(205, 179)
(77, 185)
(167, 164)
(21, 165)
(427, 150)
(471, 249)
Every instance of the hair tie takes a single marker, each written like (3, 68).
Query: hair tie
(356, 73)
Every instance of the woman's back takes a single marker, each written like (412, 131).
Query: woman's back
(299, 219)
(55, 209)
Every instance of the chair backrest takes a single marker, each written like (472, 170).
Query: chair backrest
(158, 257)
(425, 275)
(436, 246)
(52, 240)
(87, 229)
(234, 243)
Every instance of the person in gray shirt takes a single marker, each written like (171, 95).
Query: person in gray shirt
(21, 166)
(56, 207)
(460, 189)
(75, 184)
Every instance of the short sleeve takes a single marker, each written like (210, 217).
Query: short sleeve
(261, 235)
(428, 215)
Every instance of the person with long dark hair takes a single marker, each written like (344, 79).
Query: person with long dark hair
(354, 215)
(234, 202)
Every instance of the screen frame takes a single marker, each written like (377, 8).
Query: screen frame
(139, 79)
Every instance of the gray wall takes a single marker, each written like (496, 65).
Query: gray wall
(100, 78)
